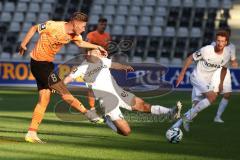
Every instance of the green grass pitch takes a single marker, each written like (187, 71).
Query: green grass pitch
(83, 140)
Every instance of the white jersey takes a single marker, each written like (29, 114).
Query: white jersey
(104, 86)
(98, 74)
(232, 49)
(208, 61)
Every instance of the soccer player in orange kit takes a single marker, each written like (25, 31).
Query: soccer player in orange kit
(99, 36)
(53, 35)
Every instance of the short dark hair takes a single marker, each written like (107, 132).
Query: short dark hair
(223, 33)
(102, 19)
(79, 16)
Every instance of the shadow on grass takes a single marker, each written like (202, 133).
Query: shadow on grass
(5, 139)
(54, 122)
(188, 147)
(42, 155)
(152, 146)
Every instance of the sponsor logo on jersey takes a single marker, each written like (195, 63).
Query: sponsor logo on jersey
(95, 70)
(211, 65)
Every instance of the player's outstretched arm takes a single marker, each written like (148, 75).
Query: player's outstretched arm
(84, 44)
(27, 38)
(187, 63)
(119, 66)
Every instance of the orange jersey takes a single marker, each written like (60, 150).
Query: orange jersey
(52, 38)
(99, 39)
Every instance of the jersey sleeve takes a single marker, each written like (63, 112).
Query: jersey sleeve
(45, 27)
(202, 53)
(198, 55)
(107, 62)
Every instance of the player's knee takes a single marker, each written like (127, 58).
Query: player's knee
(212, 98)
(44, 97)
(126, 132)
(227, 95)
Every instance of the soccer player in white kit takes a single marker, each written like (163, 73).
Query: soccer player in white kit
(208, 77)
(95, 71)
(226, 96)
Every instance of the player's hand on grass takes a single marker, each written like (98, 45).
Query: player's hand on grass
(179, 79)
(22, 49)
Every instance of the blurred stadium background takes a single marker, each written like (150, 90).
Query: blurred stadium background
(164, 31)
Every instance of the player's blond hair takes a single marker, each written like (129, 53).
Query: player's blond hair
(79, 16)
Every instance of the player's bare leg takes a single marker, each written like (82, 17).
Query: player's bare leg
(122, 127)
(61, 88)
(140, 105)
(43, 101)
(222, 106)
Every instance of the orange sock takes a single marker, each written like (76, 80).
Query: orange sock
(91, 102)
(37, 117)
(91, 99)
(75, 103)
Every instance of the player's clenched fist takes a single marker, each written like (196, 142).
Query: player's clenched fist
(22, 49)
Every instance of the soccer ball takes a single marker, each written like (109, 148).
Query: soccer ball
(174, 135)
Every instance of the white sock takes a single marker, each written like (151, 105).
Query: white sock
(191, 113)
(32, 133)
(156, 109)
(177, 124)
(197, 108)
(222, 106)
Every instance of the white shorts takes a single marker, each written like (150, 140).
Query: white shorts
(112, 102)
(227, 83)
(200, 86)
